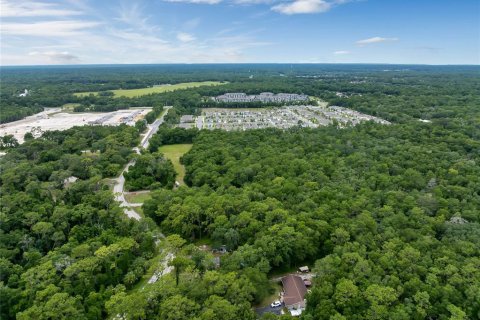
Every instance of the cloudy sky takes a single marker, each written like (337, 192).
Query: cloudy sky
(213, 31)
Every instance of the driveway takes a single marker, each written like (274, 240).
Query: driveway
(261, 311)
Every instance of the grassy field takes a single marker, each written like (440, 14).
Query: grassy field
(137, 198)
(174, 152)
(130, 93)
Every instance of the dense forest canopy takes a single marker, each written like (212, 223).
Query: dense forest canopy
(66, 245)
(388, 216)
(374, 201)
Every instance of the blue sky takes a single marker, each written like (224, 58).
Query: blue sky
(214, 31)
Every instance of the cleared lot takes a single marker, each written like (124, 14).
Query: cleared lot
(174, 152)
(54, 119)
(137, 197)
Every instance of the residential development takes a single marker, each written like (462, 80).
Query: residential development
(264, 97)
(283, 118)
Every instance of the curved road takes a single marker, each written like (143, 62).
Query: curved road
(118, 187)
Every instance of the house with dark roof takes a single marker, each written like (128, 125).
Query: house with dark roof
(294, 291)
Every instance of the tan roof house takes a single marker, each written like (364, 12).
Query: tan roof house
(294, 291)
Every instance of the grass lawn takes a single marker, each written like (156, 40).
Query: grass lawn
(129, 93)
(137, 198)
(174, 152)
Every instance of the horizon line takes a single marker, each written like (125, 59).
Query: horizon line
(235, 63)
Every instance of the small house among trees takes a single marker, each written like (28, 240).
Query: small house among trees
(294, 291)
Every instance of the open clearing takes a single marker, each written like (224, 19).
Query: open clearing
(137, 197)
(55, 119)
(130, 93)
(174, 152)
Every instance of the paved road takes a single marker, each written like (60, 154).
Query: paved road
(153, 128)
(119, 184)
(120, 196)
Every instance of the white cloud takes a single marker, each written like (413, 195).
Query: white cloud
(306, 6)
(126, 33)
(56, 57)
(32, 9)
(254, 1)
(303, 6)
(67, 28)
(185, 37)
(374, 40)
(133, 36)
(133, 15)
(196, 1)
(341, 52)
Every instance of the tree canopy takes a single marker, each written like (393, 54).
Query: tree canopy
(387, 216)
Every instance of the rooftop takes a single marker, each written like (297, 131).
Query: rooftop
(294, 290)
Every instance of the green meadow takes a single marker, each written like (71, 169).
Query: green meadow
(174, 152)
(134, 197)
(130, 93)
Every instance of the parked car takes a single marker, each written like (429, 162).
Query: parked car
(276, 304)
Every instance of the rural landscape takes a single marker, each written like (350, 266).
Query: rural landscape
(354, 205)
(240, 160)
